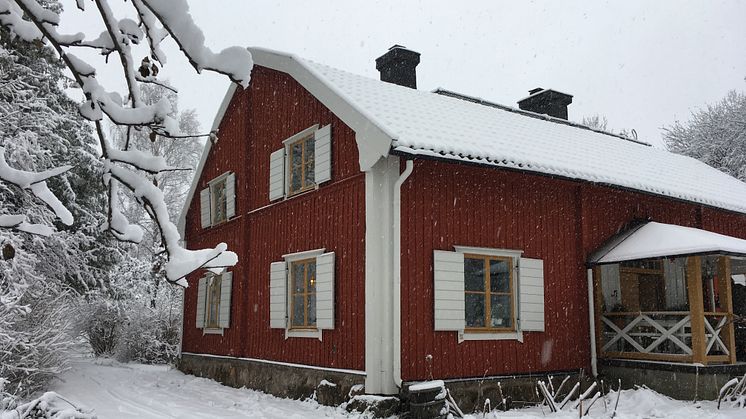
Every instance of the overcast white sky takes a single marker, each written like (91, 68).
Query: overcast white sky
(641, 64)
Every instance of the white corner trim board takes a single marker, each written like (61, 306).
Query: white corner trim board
(397, 271)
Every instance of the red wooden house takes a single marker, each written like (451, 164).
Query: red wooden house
(388, 235)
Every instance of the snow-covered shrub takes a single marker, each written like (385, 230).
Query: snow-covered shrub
(99, 322)
(132, 321)
(48, 405)
(35, 339)
(149, 336)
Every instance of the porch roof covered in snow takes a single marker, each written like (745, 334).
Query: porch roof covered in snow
(649, 240)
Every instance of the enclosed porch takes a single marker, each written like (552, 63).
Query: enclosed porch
(662, 292)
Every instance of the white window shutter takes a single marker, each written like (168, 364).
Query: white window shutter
(230, 196)
(323, 154)
(226, 287)
(531, 294)
(325, 291)
(277, 295)
(277, 174)
(448, 268)
(201, 302)
(204, 207)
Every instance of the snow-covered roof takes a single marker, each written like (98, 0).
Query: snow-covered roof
(390, 118)
(428, 124)
(653, 240)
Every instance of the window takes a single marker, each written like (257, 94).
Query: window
(218, 200)
(213, 301)
(303, 298)
(301, 165)
(301, 294)
(487, 294)
(488, 288)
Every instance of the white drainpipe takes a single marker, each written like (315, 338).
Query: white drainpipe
(592, 320)
(397, 271)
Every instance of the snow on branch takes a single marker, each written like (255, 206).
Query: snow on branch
(234, 62)
(19, 222)
(132, 168)
(36, 182)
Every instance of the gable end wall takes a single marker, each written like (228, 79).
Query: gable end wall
(258, 119)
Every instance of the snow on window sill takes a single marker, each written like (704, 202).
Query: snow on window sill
(304, 333)
(462, 336)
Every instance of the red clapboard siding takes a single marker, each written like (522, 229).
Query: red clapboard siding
(273, 108)
(443, 204)
(559, 221)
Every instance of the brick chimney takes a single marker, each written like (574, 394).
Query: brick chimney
(398, 66)
(546, 101)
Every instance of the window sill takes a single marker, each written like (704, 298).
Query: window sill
(212, 331)
(468, 335)
(303, 333)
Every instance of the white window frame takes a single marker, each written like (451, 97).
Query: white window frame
(515, 256)
(289, 259)
(288, 164)
(210, 184)
(213, 330)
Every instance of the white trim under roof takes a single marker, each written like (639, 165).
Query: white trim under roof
(654, 240)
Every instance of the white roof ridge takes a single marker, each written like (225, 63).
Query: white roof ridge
(541, 116)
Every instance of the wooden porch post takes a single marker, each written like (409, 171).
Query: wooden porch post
(696, 308)
(726, 302)
(598, 300)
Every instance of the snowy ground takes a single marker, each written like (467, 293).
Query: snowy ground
(117, 390)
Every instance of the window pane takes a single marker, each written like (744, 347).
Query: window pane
(296, 154)
(296, 181)
(474, 310)
(312, 309)
(311, 277)
(501, 315)
(499, 276)
(310, 168)
(310, 147)
(473, 274)
(298, 311)
(219, 201)
(298, 277)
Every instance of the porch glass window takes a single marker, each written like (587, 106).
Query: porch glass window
(301, 165)
(489, 292)
(666, 309)
(303, 294)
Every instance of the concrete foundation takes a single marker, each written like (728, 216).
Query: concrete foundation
(282, 380)
(680, 381)
(517, 390)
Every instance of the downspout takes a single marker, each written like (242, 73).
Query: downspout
(397, 271)
(592, 320)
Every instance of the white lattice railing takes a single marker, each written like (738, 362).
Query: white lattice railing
(659, 334)
(666, 333)
(714, 326)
